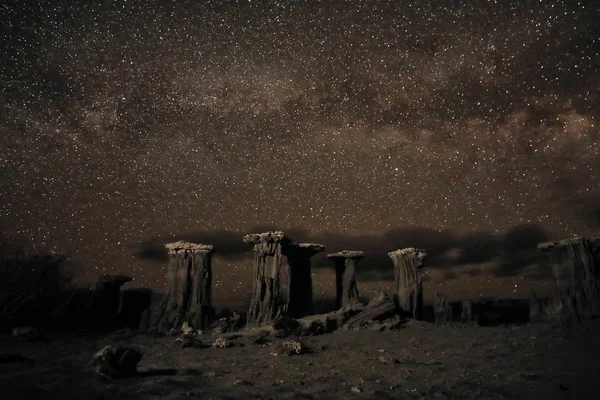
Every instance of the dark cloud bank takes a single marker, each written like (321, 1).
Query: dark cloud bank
(508, 254)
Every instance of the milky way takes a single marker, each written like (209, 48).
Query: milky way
(471, 129)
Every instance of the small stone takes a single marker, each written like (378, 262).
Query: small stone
(186, 329)
(220, 343)
(26, 332)
(356, 389)
(119, 362)
(387, 360)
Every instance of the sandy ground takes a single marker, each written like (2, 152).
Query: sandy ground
(418, 361)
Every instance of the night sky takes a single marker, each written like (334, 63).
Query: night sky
(471, 130)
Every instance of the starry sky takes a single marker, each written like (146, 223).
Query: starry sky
(470, 129)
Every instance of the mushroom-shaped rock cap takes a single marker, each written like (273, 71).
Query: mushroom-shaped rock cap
(549, 246)
(306, 248)
(352, 254)
(188, 247)
(117, 280)
(312, 246)
(417, 253)
(266, 237)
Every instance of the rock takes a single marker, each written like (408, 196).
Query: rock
(466, 312)
(345, 276)
(132, 304)
(576, 269)
(391, 324)
(221, 343)
(107, 295)
(26, 333)
(408, 279)
(186, 329)
(117, 362)
(189, 285)
(373, 311)
(387, 360)
(299, 293)
(356, 389)
(326, 323)
(233, 323)
(268, 300)
(294, 347)
(442, 309)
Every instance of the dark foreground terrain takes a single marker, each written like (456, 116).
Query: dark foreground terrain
(418, 361)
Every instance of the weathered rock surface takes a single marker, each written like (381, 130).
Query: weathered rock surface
(442, 309)
(117, 362)
(107, 297)
(408, 278)
(576, 267)
(466, 313)
(233, 323)
(132, 304)
(26, 333)
(269, 298)
(345, 276)
(376, 310)
(189, 290)
(300, 294)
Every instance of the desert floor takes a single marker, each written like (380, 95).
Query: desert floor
(418, 361)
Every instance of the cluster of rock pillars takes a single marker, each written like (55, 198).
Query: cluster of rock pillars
(282, 283)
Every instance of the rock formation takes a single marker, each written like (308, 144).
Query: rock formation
(269, 298)
(107, 295)
(117, 362)
(408, 288)
(466, 312)
(300, 295)
(576, 267)
(188, 295)
(536, 308)
(442, 309)
(133, 303)
(345, 278)
(379, 308)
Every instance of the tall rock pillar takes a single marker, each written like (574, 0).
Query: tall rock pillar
(107, 295)
(189, 288)
(300, 295)
(345, 276)
(576, 268)
(408, 279)
(269, 297)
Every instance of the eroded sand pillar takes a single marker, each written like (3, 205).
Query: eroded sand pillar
(189, 288)
(107, 295)
(408, 287)
(300, 295)
(269, 299)
(345, 276)
(576, 268)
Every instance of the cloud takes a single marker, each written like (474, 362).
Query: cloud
(508, 254)
(518, 250)
(588, 209)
